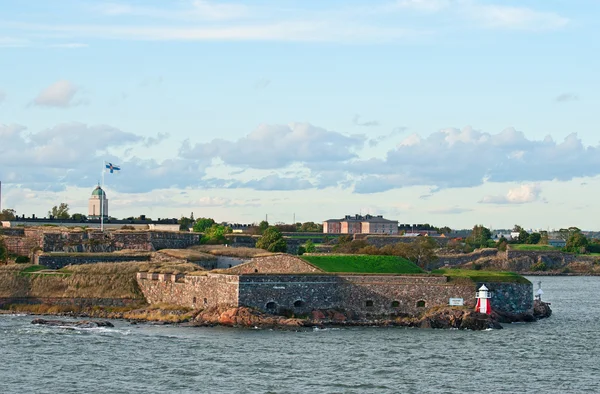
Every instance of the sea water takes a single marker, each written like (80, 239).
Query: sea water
(555, 355)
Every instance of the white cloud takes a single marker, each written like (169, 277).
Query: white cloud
(275, 182)
(454, 158)
(197, 9)
(564, 97)
(213, 10)
(422, 5)
(365, 123)
(262, 83)
(518, 18)
(518, 195)
(277, 146)
(69, 45)
(450, 211)
(59, 94)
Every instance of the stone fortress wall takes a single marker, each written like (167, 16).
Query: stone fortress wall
(56, 261)
(301, 293)
(26, 241)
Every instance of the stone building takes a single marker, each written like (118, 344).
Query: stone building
(358, 224)
(98, 204)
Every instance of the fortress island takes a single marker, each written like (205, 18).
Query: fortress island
(168, 276)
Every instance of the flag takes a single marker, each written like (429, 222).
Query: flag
(110, 167)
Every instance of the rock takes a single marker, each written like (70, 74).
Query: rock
(457, 318)
(73, 324)
(541, 309)
(478, 321)
(318, 315)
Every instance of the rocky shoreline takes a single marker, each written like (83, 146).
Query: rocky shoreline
(242, 317)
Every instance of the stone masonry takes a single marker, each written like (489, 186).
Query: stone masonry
(279, 263)
(363, 295)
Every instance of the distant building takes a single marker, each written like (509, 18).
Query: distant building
(358, 224)
(95, 209)
(557, 243)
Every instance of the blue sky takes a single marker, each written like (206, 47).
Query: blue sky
(449, 112)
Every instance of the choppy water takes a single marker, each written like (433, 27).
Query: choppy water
(556, 355)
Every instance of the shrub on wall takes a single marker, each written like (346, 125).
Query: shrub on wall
(539, 266)
(22, 260)
(3, 251)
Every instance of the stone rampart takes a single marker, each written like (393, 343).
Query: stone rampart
(190, 291)
(20, 245)
(94, 241)
(363, 295)
(64, 301)
(57, 261)
(385, 240)
(514, 298)
(173, 240)
(279, 263)
(15, 232)
(460, 259)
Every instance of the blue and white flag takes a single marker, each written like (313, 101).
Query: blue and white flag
(112, 168)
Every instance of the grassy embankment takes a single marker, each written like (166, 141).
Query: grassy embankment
(533, 248)
(455, 274)
(397, 265)
(370, 264)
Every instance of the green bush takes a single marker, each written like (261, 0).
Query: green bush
(309, 246)
(272, 240)
(539, 266)
(22, 260)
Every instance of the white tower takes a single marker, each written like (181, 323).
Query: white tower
(98, 204)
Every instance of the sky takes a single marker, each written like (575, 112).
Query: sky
(447, 112)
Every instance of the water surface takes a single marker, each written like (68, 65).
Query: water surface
(555, 355)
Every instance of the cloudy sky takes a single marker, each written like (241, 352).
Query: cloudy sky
(449, 112)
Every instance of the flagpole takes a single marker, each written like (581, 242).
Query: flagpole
(102, 196)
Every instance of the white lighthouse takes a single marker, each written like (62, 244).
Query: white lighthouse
(483, 300)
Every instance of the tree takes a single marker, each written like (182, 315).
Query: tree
(215, 234)
(185, 223)
(577, 242)
(565, 233)
(444, 230)
(534, 238)
(8, 214)
(272, 240)
(79, 217)
(544, 237)
(60, 212)
(203, 224)
(311, 227)
(517, 229)
(263, 226)
(423, 251)
(286, 228)
(523, 237)
(479, 237)
(309, 246)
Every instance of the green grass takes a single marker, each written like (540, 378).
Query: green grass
(481, 276)
(532, 247)
(364, 264)
(32, 268)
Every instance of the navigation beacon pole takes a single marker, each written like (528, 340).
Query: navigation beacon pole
(483, 301)
(102, 200)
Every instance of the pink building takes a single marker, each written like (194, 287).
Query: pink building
(359, 224)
